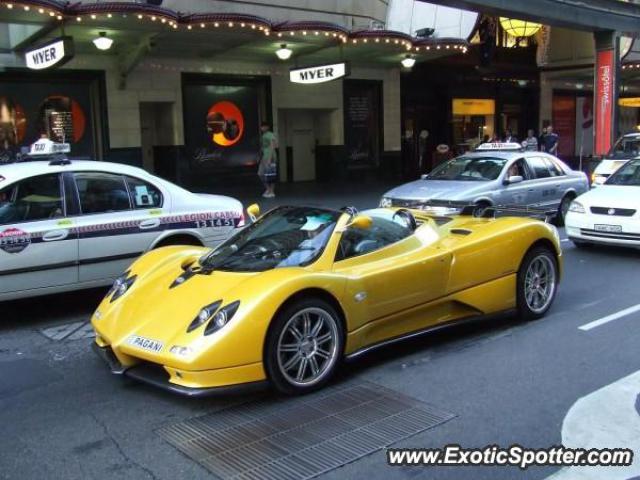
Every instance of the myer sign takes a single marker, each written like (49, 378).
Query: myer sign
(52, 54)
(319, 73)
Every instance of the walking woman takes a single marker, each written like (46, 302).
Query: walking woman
(267, 168)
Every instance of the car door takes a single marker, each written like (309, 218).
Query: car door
(522, 193)
(38, 246)
(391, 274)
(118, 222)
(545, 185)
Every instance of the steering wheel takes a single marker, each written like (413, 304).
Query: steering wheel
(407, 216)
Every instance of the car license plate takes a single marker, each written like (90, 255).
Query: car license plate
(608, 228)
(145, 343)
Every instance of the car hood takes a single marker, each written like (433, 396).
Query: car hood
(614, 196)
(438, 190)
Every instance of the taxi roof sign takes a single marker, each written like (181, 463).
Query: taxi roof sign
(44, 146)
(499, 146)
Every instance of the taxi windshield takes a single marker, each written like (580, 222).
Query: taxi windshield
(628, 175)
(284, 237)
(474, 169)
(626, 148)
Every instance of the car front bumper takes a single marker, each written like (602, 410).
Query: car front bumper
(581, 227)
(194, 384)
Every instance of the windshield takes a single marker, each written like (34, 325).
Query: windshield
(284, 237)
(628, 174)
(626, 148)
(478, 169)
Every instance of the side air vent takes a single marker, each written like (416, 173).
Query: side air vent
(460, 231)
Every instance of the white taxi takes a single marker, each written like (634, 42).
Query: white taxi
(609, 214)
(67, 224)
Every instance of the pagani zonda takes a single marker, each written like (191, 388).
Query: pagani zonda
(290, 296)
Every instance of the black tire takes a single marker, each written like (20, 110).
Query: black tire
(534, 293)
(179, 240)
(563, 208)
(308, 347)
(481, 207)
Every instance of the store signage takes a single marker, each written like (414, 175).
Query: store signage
(629, 102)
(319, 73)
(604, 101)
(473, 106)
(52, 54)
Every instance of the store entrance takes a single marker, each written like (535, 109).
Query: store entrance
(156, 130)
(300, 131)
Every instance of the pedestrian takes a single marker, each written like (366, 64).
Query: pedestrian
(268, 160)
(509, 137)
(543, 132)
(551, 141)
(531, 142)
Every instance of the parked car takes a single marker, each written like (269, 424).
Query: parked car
(609, 214)
(496, 174)
(290, 296)
(626, 148)
(67, 224)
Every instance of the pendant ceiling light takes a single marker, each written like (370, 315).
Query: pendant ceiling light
(283, 52)
(408, 61)
(519, 28)
(103, 42)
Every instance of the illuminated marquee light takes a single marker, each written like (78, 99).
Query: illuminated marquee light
(156, 16)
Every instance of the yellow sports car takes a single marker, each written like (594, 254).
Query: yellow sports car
(301, 289)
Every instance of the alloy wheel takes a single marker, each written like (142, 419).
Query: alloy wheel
(307, 347)
(540, 283)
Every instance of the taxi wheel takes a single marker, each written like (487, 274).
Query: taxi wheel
(536, 283)
(179, 240)
(563, 209)
(304, 346)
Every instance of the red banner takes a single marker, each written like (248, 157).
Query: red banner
(604, 101)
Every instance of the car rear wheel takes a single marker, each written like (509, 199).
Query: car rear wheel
(536, 283)
(304, 346)
(563, 209)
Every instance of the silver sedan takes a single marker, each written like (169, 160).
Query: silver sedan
(495, 175)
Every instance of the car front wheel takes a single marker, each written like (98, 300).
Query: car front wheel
(304, 346)
(536, 283)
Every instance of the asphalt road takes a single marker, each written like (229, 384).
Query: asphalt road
(63, 415)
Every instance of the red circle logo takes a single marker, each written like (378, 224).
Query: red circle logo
(225, 123)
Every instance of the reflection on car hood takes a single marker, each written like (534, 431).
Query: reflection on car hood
(439, 190)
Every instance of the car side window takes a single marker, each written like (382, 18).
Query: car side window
(143, 194)
(539, 167)
(519, 168)
(32, 199)
(383, 232)
(102, 193)
(555, 169)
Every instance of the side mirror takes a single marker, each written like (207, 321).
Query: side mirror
(253, 211)
(514, 179)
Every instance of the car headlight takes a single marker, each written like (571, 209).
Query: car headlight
(386, 202)
(576, 207)
(180, 351)
(121, 285)
(204, 315)
(221, 318)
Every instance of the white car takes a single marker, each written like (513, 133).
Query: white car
(609, 214)
(67, 225)
(626, 148)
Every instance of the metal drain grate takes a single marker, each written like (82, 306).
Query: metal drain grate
(301, 437)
